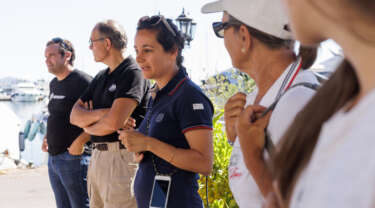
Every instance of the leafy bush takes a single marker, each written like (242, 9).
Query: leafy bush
(219, 194)
(219, 89)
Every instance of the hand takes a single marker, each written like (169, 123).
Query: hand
(129, 124)
(232, 109)
(138, 157)
(250, 129)
(88, 105)
(76, 148)
(133, 140)
(45, 145)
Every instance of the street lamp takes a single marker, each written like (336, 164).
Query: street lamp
(186, 26)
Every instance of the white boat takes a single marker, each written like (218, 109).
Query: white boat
(9, 126)
(4, 97)
(26, 92)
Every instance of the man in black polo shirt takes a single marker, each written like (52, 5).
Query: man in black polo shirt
(115, 94)
(67, 166)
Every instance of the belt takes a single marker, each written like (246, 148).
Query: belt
(104, 147)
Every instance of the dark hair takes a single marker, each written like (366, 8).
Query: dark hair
(64, 45)
(114, 32)
(299, 140)
(169, 41)
(308, 54)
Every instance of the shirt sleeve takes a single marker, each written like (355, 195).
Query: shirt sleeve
(131, 85)
(194, 111)
(88, 92)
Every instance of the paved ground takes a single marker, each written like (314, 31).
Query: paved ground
(20, 188)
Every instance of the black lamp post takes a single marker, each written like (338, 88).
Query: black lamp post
(186, 26)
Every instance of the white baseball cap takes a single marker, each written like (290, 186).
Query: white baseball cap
(265, 15)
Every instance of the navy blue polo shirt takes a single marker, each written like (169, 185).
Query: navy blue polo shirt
(126, 81)
(177, 108)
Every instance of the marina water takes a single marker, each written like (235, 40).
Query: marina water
(25, 111)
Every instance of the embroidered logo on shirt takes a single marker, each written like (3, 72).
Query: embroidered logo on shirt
(160, 117)
(112, 88)
(198, 106)
(56, 97)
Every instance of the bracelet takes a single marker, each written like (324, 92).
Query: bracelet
(231, 143)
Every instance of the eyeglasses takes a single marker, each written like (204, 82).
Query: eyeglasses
(92, 41)
(61, 42)
(219, 27)
(155, 20)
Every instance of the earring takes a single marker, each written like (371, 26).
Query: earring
(243, 50)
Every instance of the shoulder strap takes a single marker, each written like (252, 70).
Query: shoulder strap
(305, 84)
(269, 145)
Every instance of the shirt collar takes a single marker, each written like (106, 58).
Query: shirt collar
(287, 76)
(174, 84)
(121, 67)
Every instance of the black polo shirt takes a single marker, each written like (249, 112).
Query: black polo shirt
(126, 81)
(178, 107)
(62, 96)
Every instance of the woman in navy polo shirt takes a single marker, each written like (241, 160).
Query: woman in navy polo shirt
(175, 138)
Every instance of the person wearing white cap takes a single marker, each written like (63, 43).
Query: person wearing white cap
(258, 40)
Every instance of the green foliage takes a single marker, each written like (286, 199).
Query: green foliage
(219, 89)
(219, 194)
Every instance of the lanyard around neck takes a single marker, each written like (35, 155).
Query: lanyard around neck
(292, 72)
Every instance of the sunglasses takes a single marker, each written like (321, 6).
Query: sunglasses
(219, 27)
(61, 42)
(155, 20)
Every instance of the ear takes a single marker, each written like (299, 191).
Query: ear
(67, 56)
(174, 54)
(108, 43)
(245, 38)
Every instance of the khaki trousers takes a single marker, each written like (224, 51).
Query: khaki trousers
(110, 178)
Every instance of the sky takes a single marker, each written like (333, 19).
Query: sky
(27, 25)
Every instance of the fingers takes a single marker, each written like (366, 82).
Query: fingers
(248, 115)
(130, 124)
(44, 145)
(132, 121)
(263, 121)
(125, 137)
(138, 157)
(233, 107)
(236, 101)
(86, 105)
(122, 136)
(91, 105)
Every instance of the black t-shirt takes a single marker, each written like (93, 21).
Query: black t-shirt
(63, 94)
(126, 81)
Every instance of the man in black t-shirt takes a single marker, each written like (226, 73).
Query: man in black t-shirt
(67, 164)
(115, 94)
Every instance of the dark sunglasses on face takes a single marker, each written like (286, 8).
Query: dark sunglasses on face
(61, 42)
(155, 20)
(219, 27)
